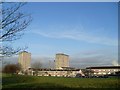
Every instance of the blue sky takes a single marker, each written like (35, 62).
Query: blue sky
(88, 32)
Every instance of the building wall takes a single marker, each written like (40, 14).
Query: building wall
(61, 60)
(24, 60)
(104, 71)
(56, 73)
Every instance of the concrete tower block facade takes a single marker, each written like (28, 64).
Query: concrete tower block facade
(24, 60)
(61, 60)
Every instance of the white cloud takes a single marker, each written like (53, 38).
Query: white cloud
(78, 60)
(80, 36)
(91, 61)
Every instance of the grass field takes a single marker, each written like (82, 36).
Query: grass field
(18, 81)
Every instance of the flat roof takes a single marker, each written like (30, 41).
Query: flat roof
(62, 54)
(23, 52)
(104, 67)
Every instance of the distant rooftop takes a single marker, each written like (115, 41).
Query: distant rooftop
(48, 69)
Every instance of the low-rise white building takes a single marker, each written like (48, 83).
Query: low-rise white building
(54, 72)
(104, 70)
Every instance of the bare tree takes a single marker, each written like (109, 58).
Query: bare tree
(37, 65)
(12, 25)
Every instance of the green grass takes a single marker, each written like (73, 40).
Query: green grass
(0, 80)
(18, 81)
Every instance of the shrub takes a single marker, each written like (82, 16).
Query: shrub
(11, 68)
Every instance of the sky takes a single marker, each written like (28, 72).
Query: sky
(61, 0)
(86, 31)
